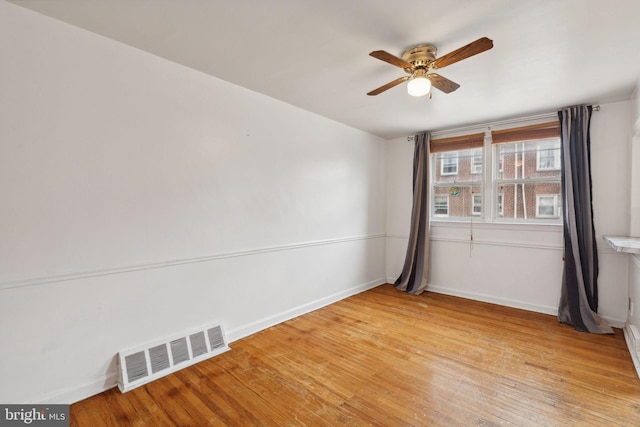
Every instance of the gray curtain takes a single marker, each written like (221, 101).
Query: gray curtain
(579, 293)
(413, 278)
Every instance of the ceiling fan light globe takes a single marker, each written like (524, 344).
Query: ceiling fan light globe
(419, 86)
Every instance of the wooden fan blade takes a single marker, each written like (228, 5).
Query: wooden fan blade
(391, 59)
(464, 52)
(389, 85)
(442, 83)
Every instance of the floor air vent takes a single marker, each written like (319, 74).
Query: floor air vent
(144, 364)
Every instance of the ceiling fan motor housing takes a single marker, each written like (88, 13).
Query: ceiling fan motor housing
(420, 56)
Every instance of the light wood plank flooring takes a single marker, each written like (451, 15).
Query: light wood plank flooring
(386, 358)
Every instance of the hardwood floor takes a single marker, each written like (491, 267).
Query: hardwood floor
(386, 358)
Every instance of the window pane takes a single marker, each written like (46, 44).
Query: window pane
(462, 166)
(527, 180)
(529, 200)
(457, 183)
(457, 201)
(528, 160)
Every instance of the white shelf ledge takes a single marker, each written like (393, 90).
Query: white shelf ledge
(630, 245)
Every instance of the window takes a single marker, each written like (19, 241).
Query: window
(441, 205)
(477, 204)
(449, 163)
(548, 157)
(547, 206)
(457, 189)
(527, 172)
(476, 160)
(524, 183)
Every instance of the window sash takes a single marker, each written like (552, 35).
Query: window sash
(518, 179)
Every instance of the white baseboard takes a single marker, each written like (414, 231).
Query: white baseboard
(632, 337)
(75, 394)
(489, 298)
(495, 300)
(259, 325)
(537, 308)
(614, 323)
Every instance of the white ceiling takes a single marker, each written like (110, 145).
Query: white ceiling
(314, 53)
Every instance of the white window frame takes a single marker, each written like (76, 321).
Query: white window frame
(444, 197)
(554, 147)
(474, 204)
(556, 205)
(450, 155)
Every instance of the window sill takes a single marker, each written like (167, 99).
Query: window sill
(495, 225)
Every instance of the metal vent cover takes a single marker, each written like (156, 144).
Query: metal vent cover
(146, 363)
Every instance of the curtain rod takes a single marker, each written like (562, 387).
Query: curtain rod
(412, 137)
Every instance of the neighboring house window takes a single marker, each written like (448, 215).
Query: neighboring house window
(547, 206)
(548, 156)
(476, 160)
(477, 204)
(441, 205)
(449, 163)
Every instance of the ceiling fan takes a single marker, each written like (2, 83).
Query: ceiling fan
(419, 61)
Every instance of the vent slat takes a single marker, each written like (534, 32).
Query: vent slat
(198, 344)
(216, 339)
(159, 357)
(179, 350)
(136, 366)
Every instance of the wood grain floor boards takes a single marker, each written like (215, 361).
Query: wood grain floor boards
(386, 358)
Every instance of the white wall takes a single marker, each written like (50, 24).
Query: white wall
(632, 331)
(611, 169)
(521, 265)
(141, 199)
(634, 223)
